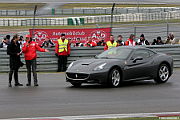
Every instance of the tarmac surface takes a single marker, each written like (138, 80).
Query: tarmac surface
(54, 97)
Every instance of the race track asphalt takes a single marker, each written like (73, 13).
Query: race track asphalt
(54, 97)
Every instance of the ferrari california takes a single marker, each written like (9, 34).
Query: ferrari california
(119, 64)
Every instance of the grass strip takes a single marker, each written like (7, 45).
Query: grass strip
(20, 6)
(93, 5)
(30, 6)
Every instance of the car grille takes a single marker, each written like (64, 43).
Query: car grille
(77, 75)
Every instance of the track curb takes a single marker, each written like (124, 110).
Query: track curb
(160, 115)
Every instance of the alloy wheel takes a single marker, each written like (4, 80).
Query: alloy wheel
(164, 73)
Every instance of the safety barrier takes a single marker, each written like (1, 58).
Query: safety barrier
(89, 19)
(107, 10)
(47, 62)
(84, 11)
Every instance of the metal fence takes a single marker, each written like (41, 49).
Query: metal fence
(151, 31)
(85, 11)
(16, 12)
(30, 22)
(103, 11)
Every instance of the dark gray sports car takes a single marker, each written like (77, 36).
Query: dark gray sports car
(119, 64)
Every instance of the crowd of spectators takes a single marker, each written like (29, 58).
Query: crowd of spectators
(131, 41)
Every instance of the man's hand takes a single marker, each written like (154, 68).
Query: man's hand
(19, 54)
(46, 50)
(56, 54)
(27, 44)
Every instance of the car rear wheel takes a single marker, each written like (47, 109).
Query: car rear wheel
(76, 84)
(114, 78)
(163, 74)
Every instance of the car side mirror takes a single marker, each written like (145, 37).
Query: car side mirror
(137, 58)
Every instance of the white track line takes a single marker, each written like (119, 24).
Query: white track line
(99, 116)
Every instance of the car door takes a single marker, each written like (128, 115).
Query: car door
(139, 68)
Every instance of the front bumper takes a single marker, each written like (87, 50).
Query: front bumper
(96, 77)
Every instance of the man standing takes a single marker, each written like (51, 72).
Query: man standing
(29, 49)
(62, 51)
(111, 43)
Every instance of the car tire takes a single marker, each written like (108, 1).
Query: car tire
(114, 78)
(163, 74)
(76, 84)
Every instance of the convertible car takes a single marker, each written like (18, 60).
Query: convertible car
(119, 64)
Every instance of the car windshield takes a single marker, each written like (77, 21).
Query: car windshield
(115, 53)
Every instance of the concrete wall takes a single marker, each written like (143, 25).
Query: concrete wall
(47, 62)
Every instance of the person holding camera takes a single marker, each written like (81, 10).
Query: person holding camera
(5, 43)
(48, 43)
(29, 49)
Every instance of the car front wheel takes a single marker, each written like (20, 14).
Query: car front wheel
(114, 78)
(163, 74)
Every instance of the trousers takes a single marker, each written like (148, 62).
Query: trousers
(15, 71)
(62, 61)
(31, 64)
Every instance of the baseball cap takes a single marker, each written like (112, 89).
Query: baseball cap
(28, 36)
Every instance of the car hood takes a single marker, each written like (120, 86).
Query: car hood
(87, 65)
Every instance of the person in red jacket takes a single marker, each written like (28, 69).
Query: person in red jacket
(130, 41)
(90, 43)
(62, 52)
(29, 49)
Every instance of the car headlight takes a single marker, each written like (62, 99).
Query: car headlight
(100, 67)
(70, 65)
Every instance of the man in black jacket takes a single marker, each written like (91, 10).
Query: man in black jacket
(14, 51)
(143, 41)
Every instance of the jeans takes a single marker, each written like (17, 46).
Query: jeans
(31, 64)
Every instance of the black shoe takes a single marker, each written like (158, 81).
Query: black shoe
(28, 84)
(36, 84)
(18, 84)
(9, 85)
